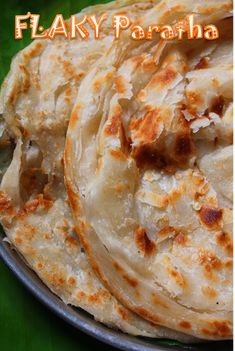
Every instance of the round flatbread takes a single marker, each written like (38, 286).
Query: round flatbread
(149, 173)
(36, 100)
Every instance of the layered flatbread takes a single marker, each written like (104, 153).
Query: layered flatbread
(36, 100)
(149, 173)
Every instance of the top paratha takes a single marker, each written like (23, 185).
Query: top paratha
(149, 174)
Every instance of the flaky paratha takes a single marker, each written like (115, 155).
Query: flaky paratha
(36, 100)
(149, 173)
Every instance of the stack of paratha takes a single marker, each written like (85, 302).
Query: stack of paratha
(146, 246)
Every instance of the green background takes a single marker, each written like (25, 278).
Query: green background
(25, 324)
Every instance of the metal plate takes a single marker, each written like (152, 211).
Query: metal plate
(83, 321)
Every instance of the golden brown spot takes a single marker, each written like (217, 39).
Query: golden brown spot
(144, 244)
(131, 281)
(209, 273)
(203, 63)
(185, 325)
(148, 315)
(228, 263)
(215, 83)
(40, 265)
(177, 276)
(217, 105)
(74, 202)
(71, 281)
(137, 60)
(69, 69)
(180, 236)
(204, 189)
(97, 84)
(40, 202)
(5, 201)
(118, 154)
(202, 192)
(13, 95)
(160, 201)
(198, 180)
(149, 64)
(211, 217)
(168, 13)
(180, 123)
(142, 95)
(181, 239)
(114, 124)
(79, 76)
(218, 329)
(148, 128)
(80, 295)
(165, 77)
(119, 188)
(225, 240)
(95, 298)
(167, 230)
(26, 81)
(119, 84)
(159, 302)
(64, 230)
(210, 262)
(175, 194)
(80, 230)
(168, 76)
(55, 279)
(74, 117)
(104, 293)
(18, 241)
(209, 292)
(72, 241)
(123, 313)
(194, 98)
(33, 52)
(212, 201)
(28, 231)
(117, 267)
(68, 95)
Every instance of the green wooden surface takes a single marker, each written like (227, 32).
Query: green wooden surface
(25, 324)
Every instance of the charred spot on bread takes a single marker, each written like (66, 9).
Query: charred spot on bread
(211, 217)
